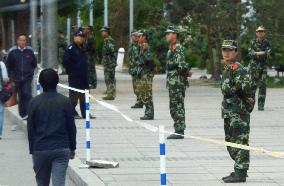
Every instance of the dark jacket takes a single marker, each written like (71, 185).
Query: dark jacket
(75, 61)
(51, 123)
(21, 64)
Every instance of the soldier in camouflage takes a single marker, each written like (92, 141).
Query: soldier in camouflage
(91, 52)
(109, 62)
(145, 73)
(177, 82)
(134, 56)
(259, 53)
(236, 87)
(61, 46)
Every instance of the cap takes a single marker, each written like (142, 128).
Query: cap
(260, 29)
(142, 32)
(105, 29)
(79, 34)
(230, 44)
(171, 29)
(135, 33)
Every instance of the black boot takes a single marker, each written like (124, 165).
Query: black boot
(236, 177)
(226, 177)
(147, 118)
(176, 135)
(137, 105)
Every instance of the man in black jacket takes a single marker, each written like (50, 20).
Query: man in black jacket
(21, 63)
(75, 61)
(51, 131)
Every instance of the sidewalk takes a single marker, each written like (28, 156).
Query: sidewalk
(15, 162)
(189, 162)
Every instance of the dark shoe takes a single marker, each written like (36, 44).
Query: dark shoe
(147, 118)
(226, 177)
(177, 135)
(77, 117)
(260, 109)
(236, 177)
(108, 98)
(91, 117)
(137, 105)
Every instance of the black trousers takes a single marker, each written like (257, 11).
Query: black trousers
(74, 97)
(24, 92)
(51, 164)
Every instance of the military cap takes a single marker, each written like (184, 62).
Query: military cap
(105, 29)
(142, 32)
(260, 29)
(230, 44)
(135, 33)
(79, 34)
(171, 29)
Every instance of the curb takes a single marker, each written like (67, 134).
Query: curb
(80, 177)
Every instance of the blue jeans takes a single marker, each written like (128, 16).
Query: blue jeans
(51, 163)
(1, 117)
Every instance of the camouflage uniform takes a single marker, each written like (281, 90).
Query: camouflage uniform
(177, 83)
(91, 51)
(236, 87)
(146, 75)
(258, 69)
(134, 54)
(109, 62)
(61, 46)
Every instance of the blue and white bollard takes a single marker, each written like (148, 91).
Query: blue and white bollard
(162, 156)
(88, 125)
(37, 88)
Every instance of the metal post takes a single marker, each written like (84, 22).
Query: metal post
(105, 12)
(33, 24)
(13, 37)
(91, 13)
(79, 14)
(49, 40)
(88, 138)
(130, 17)
(68, 30)
(41, 31)
(162, 156)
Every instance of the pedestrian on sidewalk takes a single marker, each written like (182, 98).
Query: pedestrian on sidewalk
(3, 79)
(75, 62)
(51, 132)
(21, 63)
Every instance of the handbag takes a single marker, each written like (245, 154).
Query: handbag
(7, 91)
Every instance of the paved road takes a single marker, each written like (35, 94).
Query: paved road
(189, 162)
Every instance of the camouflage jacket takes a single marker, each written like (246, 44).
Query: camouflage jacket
(256, 46)
(146, 61)
(109, 54)
(91, 48)
(176, 65)
(236, 87)
(133, 54)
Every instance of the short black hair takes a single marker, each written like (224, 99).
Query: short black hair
(22, 34)
(48, 79)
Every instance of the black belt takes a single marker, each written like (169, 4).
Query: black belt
(232, 96)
